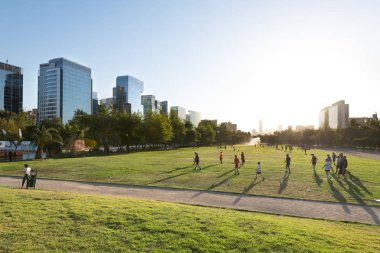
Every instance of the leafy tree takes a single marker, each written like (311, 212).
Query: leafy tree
(43, 136)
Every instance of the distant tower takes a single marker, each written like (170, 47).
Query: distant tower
(261, 126)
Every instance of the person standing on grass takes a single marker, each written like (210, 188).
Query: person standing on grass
(333, 157)
(339, 163)
(313, 160)
(242, 158)
(327, 168)
(237, 163)
(258, 171)
(196, 161)
(287, 163)
(26, 177)
(221, 157)
(344, 165)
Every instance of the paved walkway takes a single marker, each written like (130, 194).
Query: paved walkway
(302, 208)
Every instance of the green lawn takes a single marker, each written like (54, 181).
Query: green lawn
(174, 169)
(45, 221)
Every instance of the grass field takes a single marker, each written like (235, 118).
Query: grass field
(173, 168)
(44, 221)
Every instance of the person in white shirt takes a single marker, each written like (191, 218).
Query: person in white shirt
(327, 167)
(258, 171)
(26, 177)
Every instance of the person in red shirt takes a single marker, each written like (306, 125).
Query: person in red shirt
(221, 157)
(237, 163)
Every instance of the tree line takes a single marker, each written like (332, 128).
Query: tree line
(112, 128)
(365, 135)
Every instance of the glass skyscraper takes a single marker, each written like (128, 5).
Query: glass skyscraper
(11, 88)
(148, 103)
(63, 87)
(127, 94)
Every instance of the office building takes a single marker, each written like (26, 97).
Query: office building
(334, 116)
(95, 103)
(194, 117)
(261, 130)
(149, 104)
(11, 88)
(179, 111)
(63, 88)
(107, 102)
(127, 94)
(230, 127)
(164, 105)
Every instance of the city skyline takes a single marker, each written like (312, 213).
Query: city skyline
(239, 61)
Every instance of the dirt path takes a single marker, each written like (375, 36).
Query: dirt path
(302, 208)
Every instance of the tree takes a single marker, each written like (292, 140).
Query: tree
(43, 136)
(178, 127)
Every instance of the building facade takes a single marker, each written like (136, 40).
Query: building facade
(164, 105)
(11, 88)
(127, 94)
(334, 116)
(179, 111)
(149, 104)
(63, 87)
(194, 117)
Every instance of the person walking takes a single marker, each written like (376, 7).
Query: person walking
(196, 161)
(221, 157)
(333, 157)
(327, 168)
(313, 160)
(258, 171)
(26, 177)
(242, 158)
(287, 163)
(237, 163)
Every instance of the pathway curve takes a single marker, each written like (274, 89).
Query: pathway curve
(302, 208)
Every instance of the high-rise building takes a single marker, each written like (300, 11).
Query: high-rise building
(11, 87)
(324, 118)
(230, 126)
(107, 102)
(157, 106)
(164, 107)
(63, 87)
(194, 117)
(261, 130)
(179, 111)
(95, 103)
(334, 116)
(149, 103)
(127, 94)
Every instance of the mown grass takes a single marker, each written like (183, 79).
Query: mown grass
(174, 168)
(45, 221)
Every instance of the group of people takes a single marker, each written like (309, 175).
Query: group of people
(238, 163)
(339, 161)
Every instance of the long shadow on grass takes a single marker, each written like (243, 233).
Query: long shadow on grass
(180, 168)
(284, 182)
(209, 166)
(357, 181)
(248, 188)
(317, 179)
(225, 173)
(338, 196)
(356, 196)
(216, 185)
(167, 178)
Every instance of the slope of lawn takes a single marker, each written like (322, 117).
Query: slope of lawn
(173, 168)
(44, 221)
